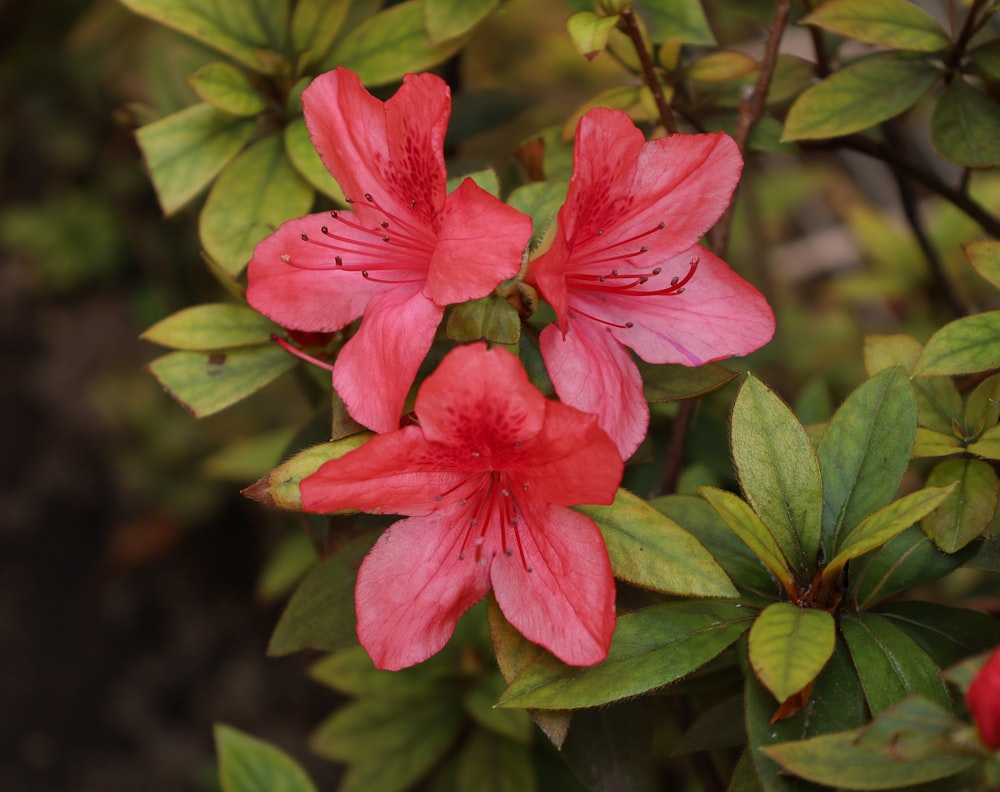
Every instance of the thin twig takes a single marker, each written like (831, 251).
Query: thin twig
(752, 110)
(630, 28)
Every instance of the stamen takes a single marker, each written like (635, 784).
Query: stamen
(574, 312)
(288, 347)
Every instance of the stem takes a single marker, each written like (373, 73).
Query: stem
(752, 110)
(630, 28)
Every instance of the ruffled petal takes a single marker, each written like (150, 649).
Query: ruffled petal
(480, 242)
(719, 315)
(481, 401)
(592, 372)
(565, 603)
(297, 284)
(393, 473)
(375, 369)
(413, 587)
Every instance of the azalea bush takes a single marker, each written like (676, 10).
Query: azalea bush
(579, 499)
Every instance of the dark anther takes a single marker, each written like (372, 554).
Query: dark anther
(629, 324)
(657, 270)
(644, 249)
(334, 214)
(303, 237)
(600, 232)
(325, 230)
(368, 197)
(364, 273)
(385, 224)
(413, 204)
(675, 280)
(661, 226)
(385, 239)
(338, 261)
(349, 200)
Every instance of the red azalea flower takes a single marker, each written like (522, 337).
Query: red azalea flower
(405, 250)
(485, 479)
(984, 701)
(625, 270)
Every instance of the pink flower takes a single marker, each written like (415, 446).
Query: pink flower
(625, 269)
(485, 479)
(405, 251)
(984, 701)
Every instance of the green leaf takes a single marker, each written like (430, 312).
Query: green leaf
(228, 89)
(788, 647)
(907, 560)
(865, 452)
(982, 408)
(315, 25)
(540, 201)
(650, 648)
(931, 443)
(988, 444)
(610, 748)
(744, 522)
(987, 58)
(590, 32)
(255, 194)
(669, 382)
(350, 671)
(879, 527)
(722, 65)
(859, 97)
(906, 746)
(285, 567)
(896, 24)
(946, 634)
(701, 521)
(779, 472)
(280, 487)
(248, 31)
(889, 664)
(206, 382)
(213, 326)
(683, 20)
(480, 703)
(448, 19)
(984, 255)
(964, 125)
(970, 509)
(489, 318)
(388, 745)
(320, 614)
(185, 151)
(885, 351)
(247, 764)
(964, 346)
(392, 43)
(650, 550)
(491, 763)
(307, 162)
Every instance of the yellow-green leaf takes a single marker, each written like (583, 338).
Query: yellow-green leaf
(448, 19)
(964, 346)
(590, 32)
(984, 254)
(247, 764)
(964, 126)
(228, 89)
(970, 509)
(315, 25)
(788, 647)
(897, 24)
(307, 161)
(211, 326)
(490, 318)
(722, 65)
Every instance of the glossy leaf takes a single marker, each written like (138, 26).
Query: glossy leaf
(946, 634)
(896, 24)
(650, 550)
(212, 326)
(315, 25)
(683, 20)
(865, 452)
(306, 161)
(788, 647)
(206, 382)
(491, 763)
(906, 746)
(964, 346)
(185, 151)
(909, 559)
(320, 614)
(392, 43)
(388, 745)
(964, 126)
(250, 32)
(859, 97)
(254, 194)
(879, 527)
(489, 318)
(590, 32)
(228, 89)
(779, 472)
(447, 19)
(970, 509)
(670, 382)
(744, 522)
(247, 764)
(889, 664)
(650, 648)
(280, 487)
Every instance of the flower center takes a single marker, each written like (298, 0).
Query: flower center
(395, 249)
(491, 505)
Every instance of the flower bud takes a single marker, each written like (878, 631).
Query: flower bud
(984, 701)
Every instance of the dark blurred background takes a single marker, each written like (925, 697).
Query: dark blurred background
(129, 620)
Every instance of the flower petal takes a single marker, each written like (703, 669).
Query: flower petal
(718, 315)
(480, 400)
(393, 473)
(393, 151)
(296, 282)
(413, 587)
(375, 369)
(566, 602)
(592, 372)
(480, 242)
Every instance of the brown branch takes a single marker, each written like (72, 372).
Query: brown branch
(630, 28)
(752, 110)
